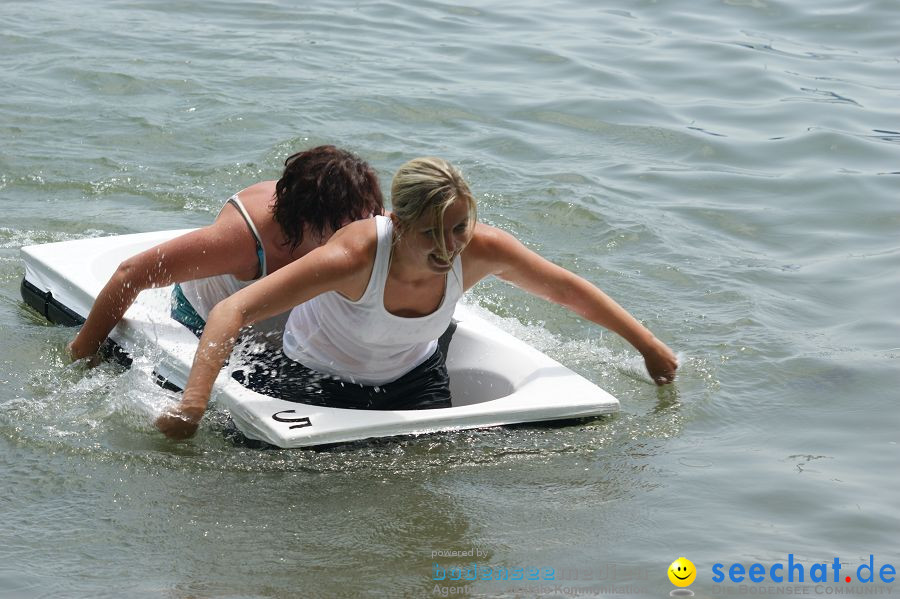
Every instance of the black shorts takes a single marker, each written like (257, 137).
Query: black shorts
(427, 386)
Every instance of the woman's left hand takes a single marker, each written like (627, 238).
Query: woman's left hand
(661, 362)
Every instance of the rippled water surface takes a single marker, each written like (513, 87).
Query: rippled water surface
(729, 171)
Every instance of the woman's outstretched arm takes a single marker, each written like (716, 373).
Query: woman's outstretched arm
(225, 247)
(343, 264)
(496, 252)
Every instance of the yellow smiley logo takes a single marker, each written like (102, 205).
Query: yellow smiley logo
(682, 572)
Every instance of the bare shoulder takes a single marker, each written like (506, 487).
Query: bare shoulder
(257, 200)
(490, 237)
(490, 243)
(264, 190)
(486, 254)
(344, 264)
(493, 251)
(356, 241)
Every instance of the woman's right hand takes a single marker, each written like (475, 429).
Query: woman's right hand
(181, 421)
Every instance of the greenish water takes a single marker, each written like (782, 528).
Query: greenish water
(727, 170)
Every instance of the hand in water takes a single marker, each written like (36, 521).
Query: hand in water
(661, 363)
(179, 422)
(91, 361)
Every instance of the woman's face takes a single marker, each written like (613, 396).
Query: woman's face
(457, 232)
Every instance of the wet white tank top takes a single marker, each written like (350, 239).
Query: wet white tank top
(204, 294)
(361, 342)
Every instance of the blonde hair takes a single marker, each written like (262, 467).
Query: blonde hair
(428, 185)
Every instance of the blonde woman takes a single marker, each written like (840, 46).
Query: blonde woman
(370, 305)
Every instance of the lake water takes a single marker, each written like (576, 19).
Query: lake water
(729, 171)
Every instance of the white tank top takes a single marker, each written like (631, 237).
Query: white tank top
(204, 294)
(361, 342)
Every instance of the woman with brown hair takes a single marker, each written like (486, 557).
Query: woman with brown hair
(258, 231)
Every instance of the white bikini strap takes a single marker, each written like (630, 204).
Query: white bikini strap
(260, 248)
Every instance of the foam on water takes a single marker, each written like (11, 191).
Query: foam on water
(107, 412)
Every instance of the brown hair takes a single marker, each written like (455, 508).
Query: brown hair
(324, 187)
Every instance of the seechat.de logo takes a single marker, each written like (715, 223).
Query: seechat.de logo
(796, 571)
